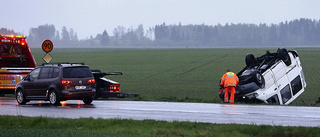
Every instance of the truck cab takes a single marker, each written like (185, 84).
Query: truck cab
(16, 61)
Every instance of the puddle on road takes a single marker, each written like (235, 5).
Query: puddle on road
(64, 104)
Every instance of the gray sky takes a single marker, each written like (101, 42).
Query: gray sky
(90, 17)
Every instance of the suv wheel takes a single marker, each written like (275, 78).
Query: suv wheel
(284, 56)
(53, 98)
(258, 79)
(249, 59)
(87, 101)
(21, 99)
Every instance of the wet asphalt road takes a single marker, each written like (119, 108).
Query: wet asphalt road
(169, 111)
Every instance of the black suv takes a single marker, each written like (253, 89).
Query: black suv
(57, 82)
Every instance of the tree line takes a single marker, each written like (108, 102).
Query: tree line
(299, 32)
(292, 33)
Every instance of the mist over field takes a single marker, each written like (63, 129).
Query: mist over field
(164, 23)
(299, 33)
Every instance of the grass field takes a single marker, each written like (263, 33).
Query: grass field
(19, 126)
(190, 75)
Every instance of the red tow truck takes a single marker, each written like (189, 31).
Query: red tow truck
(16, 61)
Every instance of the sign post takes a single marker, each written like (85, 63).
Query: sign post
(47, 47)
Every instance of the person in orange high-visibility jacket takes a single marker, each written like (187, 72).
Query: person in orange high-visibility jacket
(230, 81)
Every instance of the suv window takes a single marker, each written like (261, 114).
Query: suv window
(34, 74)
(286, 93)
(49, 73)
(274, 99)
(44, 73)
(296, 85)
(55, 72)
(77, 72)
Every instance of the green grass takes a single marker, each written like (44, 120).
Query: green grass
(40, 126)
(190, 75)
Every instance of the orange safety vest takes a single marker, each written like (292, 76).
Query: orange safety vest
(229, 79)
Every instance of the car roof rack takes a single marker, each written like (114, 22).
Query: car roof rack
(59, 63)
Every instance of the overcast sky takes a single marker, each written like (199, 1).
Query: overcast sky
(90, 17)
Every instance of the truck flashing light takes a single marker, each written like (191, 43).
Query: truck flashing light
(22, 42)
(13, 36)
(114, 88)
(12, 39)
